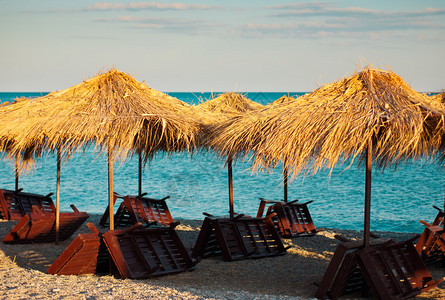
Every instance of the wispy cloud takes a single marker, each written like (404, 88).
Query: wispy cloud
(329, 9)
(333, 29)
(148, 6)
(323, 19)
(161, 23)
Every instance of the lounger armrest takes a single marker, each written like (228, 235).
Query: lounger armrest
(93, 228)
(207, 214)
(117, 195)
(141, 195)
(296, 200)
(439, 209)
(165, 198)
(18, 191)
(425, 223)
(308, 202)
(262, 206)
(270, 216)
(268, 201)
(238, 217)
(74, 208)
(49, 195)
(432, 228)
(135, 226)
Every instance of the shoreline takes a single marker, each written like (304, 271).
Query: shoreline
(290, 276)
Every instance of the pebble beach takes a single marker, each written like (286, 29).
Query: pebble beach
(291, 276)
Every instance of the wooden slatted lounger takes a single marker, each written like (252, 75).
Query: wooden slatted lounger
(148, 210)
(146, 252)
(80, 257)
(238, 238)
(39, 227)
(135, 209)
(121, 218)
(14, 205)
(431, 244)
(388, 269)
(291, 219)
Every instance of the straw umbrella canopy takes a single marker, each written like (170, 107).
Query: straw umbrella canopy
(439, 97)
(230, 104)
(281, 100)
(372, 115)
(112, 110)
(225, 107)
(241, 134)
(282, 103)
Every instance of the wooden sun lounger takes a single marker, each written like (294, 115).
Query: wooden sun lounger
(146, 252)
(148, 210)
(238, 238)
(291, 219)
(14, 205)
(388, 269)
(39, 227)
(431, 244)
(135, 209)
(80, 257)
(122, 217)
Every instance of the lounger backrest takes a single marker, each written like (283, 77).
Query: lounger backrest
(14, 205)
(80, 257)
(39, 227)
(147, 210)
(143, 253)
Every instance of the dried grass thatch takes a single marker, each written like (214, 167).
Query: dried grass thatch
(111, 110)
(439, 97)
(230, 104)
(222, 108)
(281, 100)
(337, 121)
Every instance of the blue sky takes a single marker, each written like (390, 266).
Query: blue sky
(209, 45)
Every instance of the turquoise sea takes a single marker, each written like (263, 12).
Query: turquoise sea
(198, 183)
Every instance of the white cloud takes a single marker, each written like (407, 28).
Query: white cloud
(174, 25)
(148, 5)
(322, 19)
(302, 5)
(329, 9)
(340, 28)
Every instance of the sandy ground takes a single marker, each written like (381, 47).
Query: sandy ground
(291, 276)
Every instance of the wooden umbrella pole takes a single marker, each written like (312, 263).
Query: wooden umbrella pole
(367, 231)
(58, 196)
(229, 169)
(17, 167)
(110, 187)
(285, 176)
(140, 176)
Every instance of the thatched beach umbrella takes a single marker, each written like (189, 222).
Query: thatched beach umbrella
(239, 135)
(282, 103)
(281, 100)
(112, 110)
(372, 115)
(439, 97)
(225, 107)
